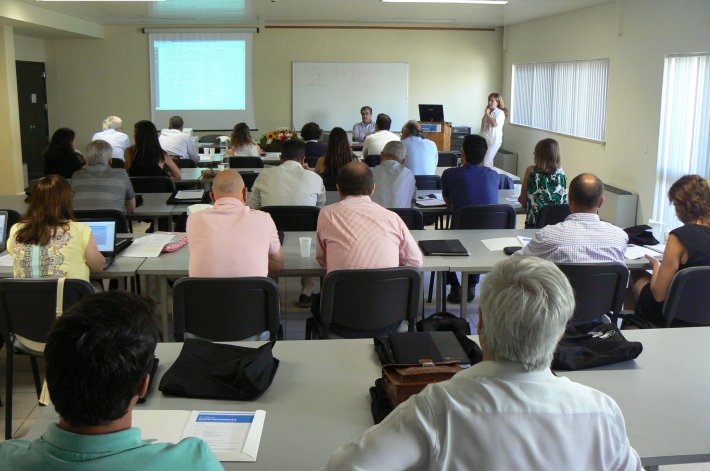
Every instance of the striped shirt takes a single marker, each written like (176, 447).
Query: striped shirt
(101, 187)
(580, 238)
(359, 233)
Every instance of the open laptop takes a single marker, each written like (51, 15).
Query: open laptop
(3, 230)
(105, 234)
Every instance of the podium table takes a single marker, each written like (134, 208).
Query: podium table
(439, 132)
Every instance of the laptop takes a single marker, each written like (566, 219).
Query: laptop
(448, 247)
(3, 230)
(105, 234)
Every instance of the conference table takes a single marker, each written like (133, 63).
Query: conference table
(319, 398)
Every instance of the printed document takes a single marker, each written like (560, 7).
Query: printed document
(500, 243)
(189, 194)
(637, 251)
(148, 246)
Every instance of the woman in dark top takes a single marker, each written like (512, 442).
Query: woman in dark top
(336, 157)
(146, 158)
(311, 133)
(60, 158)
(687, 246)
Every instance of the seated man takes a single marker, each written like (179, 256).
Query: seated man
(99, 357)
(470, 184)
(366, 127)
(508, 412)
(422, 154)
(98, 186)
(175, 142)
(395, 186)
(114, 135)
(311, 133)
(374, 143)
(231, 240)
(582, 237)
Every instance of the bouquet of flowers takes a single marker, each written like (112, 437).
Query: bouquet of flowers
(272, 140)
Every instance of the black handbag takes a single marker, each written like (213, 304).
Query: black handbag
(641, 235)
(593, 345)
(217, 371)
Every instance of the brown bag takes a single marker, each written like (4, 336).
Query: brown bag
(402, 381)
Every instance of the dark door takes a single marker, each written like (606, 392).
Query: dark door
(34, 128)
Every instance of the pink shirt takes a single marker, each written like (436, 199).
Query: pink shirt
(231, 240)
(359, 233)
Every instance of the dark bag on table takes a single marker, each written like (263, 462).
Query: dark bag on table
(641, 235)
(444, 321)
(409, 347)
(591, 345)
(217, 371)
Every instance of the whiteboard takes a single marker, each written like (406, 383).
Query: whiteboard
(332, 93)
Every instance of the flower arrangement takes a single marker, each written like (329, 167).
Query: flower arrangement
(272, 140)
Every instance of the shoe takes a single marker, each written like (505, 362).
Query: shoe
(304, 300)
(471, 294)
(454, 296)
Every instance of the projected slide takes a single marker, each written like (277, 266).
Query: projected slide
(200, 75)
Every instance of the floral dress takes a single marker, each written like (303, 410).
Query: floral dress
(544, 189)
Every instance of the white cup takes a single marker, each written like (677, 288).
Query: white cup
(220, 167)
(211, 150)
(305, 246)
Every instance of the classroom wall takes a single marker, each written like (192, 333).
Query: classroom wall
(30, 49)
(92, 78)
(650, 29)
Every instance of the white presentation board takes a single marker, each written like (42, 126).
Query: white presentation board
(332, 93)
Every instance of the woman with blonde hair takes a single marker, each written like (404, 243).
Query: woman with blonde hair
(492, 126)
(544, 182)
(241, 144)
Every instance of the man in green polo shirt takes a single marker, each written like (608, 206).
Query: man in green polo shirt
(98, 359)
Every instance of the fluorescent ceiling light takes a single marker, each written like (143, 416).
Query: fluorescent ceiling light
(480, 2)
(104, 1)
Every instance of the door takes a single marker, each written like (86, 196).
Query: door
(34, 127)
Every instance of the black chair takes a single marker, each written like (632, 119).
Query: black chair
(599, 289)
(249, 179)
(488, 216)
(186, 163)
(118, 163)
(392, 295)
(688, 298)
(412, 217)
(448, 159)
(428, 182)
(372, 160)
(552, 214)
(153, 184)
(13, 217)
(226, 309)
(122, 225)
(28, 308)
(294, 218)
(246, 162)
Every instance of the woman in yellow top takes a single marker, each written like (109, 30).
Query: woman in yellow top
(46, 243)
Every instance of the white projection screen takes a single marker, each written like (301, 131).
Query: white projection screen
(205, 77)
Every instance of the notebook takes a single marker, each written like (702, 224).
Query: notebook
(447, 247)
(3, 229)
(189, 197)
(105, 234)
(410, 347)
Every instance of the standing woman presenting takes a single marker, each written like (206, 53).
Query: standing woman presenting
(492, 126)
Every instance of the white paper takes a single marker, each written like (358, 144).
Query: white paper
(524, 240)
(660, 248)
(500, 243)
(148, 246)
(6, 260)
(189, 194)
(196, 208)
(634, 252)
(431, 202)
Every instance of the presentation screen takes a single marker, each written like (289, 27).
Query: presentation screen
(204, 77)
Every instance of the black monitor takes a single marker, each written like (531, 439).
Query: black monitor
(431, 113)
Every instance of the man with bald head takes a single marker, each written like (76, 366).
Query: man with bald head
(582, 237)
(231, 240)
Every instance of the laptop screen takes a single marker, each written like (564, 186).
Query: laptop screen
(3, 226)
(104, 233)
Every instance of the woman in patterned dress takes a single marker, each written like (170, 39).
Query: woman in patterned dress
(544, 182)
(47, 243)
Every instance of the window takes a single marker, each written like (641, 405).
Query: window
(684, 139)
(563, 97)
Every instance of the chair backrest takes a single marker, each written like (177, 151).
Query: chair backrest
(372, 160)
(118, 163)
(357, 303)
(225, 309)
(688, 299)
(428, 182)
(28, 306)
(186, 163)
(598, 288)
(448, 159)
(13, 217)
(152, 184)
(488, 216)
(104, 214)
(412, 217)
(294, 218)
(552, 214)
(246, 162)
(249, 179)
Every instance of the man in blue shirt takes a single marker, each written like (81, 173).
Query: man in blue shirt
(470, 184)
(99, 357)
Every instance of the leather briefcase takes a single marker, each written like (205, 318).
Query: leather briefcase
(402, 381)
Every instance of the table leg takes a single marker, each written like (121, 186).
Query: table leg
(464, 294)
(438, 297)
(163, 290)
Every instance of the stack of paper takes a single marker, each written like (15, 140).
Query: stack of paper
(148, 246)
(634, 252)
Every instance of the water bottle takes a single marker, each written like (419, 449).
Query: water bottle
(223, 148)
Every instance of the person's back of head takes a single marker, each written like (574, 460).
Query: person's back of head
(50, 207)
(690, 195)
(586, 193)
(473, 149)
(383, 122)
(526, 303)
(355, 179)
(547, 156)
(311, 132)
(293, 150)
(61, 143)
(393, 150)
(228, 184)
(412, 128)
(98, 152)
(148, 149)
(338, 152)
(98, 356)
(176, 122)
(240, 135)
(112, 122)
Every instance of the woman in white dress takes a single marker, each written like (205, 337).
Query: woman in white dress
(492, 126)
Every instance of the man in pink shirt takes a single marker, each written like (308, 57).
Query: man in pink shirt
(231, 240)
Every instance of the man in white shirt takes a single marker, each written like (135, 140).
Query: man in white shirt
(395, 186)
(508, 412)
(175, 142)
(366, 127)
(114, 135)
(374, 143)
(422, 154)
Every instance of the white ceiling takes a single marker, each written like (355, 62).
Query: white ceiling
(311, 12)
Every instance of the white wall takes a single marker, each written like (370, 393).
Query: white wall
(30, 49)
(650, 30)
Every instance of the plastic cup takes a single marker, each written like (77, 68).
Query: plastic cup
(220, 167)
(305, 246)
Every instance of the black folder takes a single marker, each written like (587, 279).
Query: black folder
(448, 247)
(410, 347)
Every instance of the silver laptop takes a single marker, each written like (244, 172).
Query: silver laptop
(3, 230)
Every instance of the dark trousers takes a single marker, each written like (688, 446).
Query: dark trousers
(453, 280)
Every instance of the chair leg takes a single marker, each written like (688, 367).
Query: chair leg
(8, 394)
(35, 375)
(431, 286)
